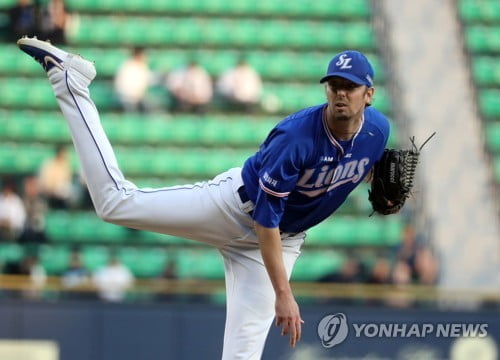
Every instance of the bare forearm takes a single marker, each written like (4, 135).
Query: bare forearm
(270, 247)
(287, 310)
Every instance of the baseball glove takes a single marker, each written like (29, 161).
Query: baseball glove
(393, 177)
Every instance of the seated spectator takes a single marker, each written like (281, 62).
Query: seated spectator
(350, 272)
(426, 266)
(76, 275)
(241, 87)
(132, 82)
(55, 21)
(400, 278)
(170, 271)
(34, 268)
(407, 249)
(113, 281)
(191, 88)
(12, 211)
(416, 251)
(381, 272)
(55, 179)
(36, 208)
(22, 20)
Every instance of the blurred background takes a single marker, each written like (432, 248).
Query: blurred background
(187, 89)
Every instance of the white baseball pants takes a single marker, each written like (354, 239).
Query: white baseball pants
(211, 212)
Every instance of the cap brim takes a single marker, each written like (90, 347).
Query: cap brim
(350, 77)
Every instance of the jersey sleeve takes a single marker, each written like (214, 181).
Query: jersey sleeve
(384, 127)
(281, 158)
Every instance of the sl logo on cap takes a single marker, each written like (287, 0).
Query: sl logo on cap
(344, 62)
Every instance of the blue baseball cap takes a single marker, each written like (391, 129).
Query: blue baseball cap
(351, 65)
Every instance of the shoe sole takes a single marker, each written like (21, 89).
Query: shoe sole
(57, 53)
(57, 56)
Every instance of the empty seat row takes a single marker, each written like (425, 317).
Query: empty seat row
(148, 262)
(140, 129)
(26, 158)
(222, 32)
(276, 65)
(489, 102)
(289, 96)
(148, 129)
(357, 231)
(483, 39)
(312, 265)
(493, 137)
(479, 11)
(337, 10)
(79, 227)
(496, 168)
(142, 261)
(486, 70)
(27, 149)
(278, 97)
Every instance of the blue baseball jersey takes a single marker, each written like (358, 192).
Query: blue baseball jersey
(302, 173)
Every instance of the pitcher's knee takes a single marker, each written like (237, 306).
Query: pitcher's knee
(105, 215)
(113, 210)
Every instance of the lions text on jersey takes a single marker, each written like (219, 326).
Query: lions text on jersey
(302, 173)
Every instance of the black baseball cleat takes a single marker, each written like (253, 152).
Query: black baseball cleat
(44, 52)
(51, 57)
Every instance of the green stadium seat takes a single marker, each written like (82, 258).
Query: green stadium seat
(155, 129)
(94, 257)
(336, 231)
(483, 39)
(144, 262)
(356, 231)
(379, 231)
(496, 168)
(312, 265)
(288, 97)
(482, 34)
(20, 159)
(20, 92)
(271, 64)
(484, 11)
(58, 226)
(11, 253)
(54, 259)
(5, 4)
(149, 31)
(152, 262)
(83, 226)
(293, 97)
(489, 102)
(486, 70)
(14, 62)
(278, 65)
(353, 9)
(493, 137)
(37, 94)
(148, 237)
(199, 263)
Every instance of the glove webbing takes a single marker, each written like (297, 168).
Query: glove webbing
(411, 161)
